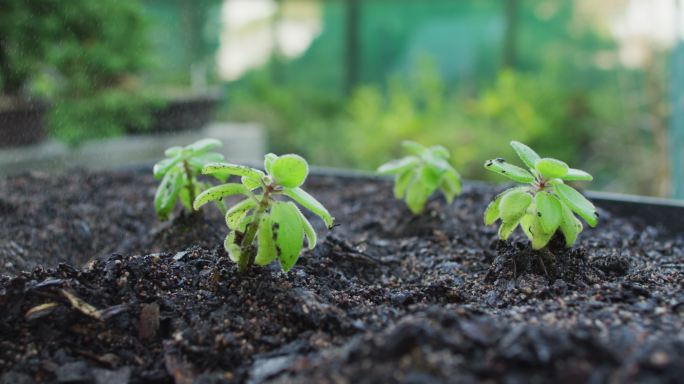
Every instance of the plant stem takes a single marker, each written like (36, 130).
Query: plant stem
(190, 185)
(247, 255)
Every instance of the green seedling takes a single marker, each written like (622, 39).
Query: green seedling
(178, 174)
(418, 175)
(543, 206)
(264, 226)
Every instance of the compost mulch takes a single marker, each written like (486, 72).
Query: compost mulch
(96, 290)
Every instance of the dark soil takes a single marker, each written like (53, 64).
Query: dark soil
(385, 297)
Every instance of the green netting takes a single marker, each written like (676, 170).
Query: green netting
(183, 33)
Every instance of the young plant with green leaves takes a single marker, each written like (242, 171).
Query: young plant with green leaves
(264, 226)
(178, 174)
(419, 174)
(545, 204)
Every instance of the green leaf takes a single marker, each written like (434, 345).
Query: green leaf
(289, 233)
(238, 211)
(453, 178)
(242, 226)
(161, 168)
(413, 147)
(430, 177)
(167, 193)
(526, 225)
(577, 175)
(511, 171)
(507, 228)
(184, 197)
(417, 195)
(548, 211)
(308, 230)
(439, 151)
(575, 201)
(233, 249)
(525, 153)
(268, 162)
(198, 162)
(451, 184)
(570, 226)
(514, 205)
(219, 192)
(309, 202)
(534, 231)
(266, 251)
(231, 169)
(399, 166)
(401, 182)
(551, 168)
(173, 151)
(492, 212)
(439, 164)
(184, 192)
(290, 171)
(204, 145)
(251, 182)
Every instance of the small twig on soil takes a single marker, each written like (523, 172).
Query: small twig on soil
(215, 276)
(541, 262)
(515, 269)
(363, 256)
(351, 251)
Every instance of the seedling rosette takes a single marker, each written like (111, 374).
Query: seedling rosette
(545, 204)
(178, 174)
(265, 226)
(418, 175)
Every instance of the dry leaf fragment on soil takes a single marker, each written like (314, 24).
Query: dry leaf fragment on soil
(89, 310)
(149, 321)
(81, 305)
(40, 310)
(180, 370)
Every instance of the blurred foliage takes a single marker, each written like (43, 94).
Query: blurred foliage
(83, 56)
(366, 130)
(108, 112)
(24, 43)
(431, 72)
(295, 118)
(587, 128)
(528, 107)
(101, 43)
(102, 46)
(555, 96)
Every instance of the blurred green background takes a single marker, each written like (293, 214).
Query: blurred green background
(343, 82)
